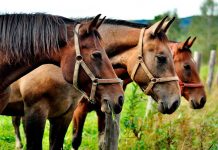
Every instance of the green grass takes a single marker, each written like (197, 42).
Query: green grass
(184, 129)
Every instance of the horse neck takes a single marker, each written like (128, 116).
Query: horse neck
(119, 41)
(12, 72)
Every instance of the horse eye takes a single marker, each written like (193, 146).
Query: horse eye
(96, 55)
(187, 67)
(161, 59)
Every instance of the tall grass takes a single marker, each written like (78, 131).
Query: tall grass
(186, 129)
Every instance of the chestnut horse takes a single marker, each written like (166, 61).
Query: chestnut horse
(155, 51)
(190, 84)
(29, 40)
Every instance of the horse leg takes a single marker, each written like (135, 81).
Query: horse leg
(58, 129)
(79, 117)
(35, 119)
(101, 128)
(4, 99)
(16, 125)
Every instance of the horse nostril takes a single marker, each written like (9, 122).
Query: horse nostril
(203, 101)
(175, 104)
(121, 100)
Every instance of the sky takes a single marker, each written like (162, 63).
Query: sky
(117, 9)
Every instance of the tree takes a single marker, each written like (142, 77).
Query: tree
(175, 30)
(205, 28)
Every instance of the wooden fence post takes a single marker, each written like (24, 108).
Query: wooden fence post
(212, 62)
(197, 58)
(111, 134)
(150, 106)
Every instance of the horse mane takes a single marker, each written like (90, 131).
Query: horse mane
(117, 22)
(27, 36)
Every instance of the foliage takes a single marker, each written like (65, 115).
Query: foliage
(204, 27)
(175, 30)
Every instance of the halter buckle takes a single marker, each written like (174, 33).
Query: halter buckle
(79, 58)
(95, 81)
(154, 80)
(92, 101)
(140, 57)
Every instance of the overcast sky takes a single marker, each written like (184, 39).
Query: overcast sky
(118, 9)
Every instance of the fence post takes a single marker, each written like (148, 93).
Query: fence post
(197, 58)
(111, 134)
(150, 106)
(212, 62)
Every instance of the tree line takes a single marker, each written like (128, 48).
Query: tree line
(204, 27)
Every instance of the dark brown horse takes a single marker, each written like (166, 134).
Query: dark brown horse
(119, 50)
(29, 40)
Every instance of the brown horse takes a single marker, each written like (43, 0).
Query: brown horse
(190, 84)
(29, 40)
(154, 46)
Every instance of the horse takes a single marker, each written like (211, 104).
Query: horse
(116, 47)
(191, 86)
(30, 40)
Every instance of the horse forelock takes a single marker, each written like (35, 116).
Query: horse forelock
(23, 36)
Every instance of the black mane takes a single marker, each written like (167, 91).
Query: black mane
(23, 36)
(117, 22)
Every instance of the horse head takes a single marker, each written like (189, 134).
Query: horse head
(153, 69)
(191, 87)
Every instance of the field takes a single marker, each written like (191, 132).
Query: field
(186, 129)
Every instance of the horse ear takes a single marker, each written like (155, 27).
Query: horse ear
(190, 43)
(94, 22)
(185, 45)
(155, 28)
(167, 24)
(100, 22)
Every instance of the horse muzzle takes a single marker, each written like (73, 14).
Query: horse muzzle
(198, 105)
(109, 106)
(168, 107)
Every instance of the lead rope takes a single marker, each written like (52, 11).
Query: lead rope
(153, 80)
(80, 62)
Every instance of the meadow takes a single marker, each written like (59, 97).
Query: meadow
(186, 129)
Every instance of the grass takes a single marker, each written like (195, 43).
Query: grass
(186, 129)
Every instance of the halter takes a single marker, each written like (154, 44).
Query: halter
(80, 62)
(189, 85)
(152, 79)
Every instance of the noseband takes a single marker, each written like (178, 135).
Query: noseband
(152, 79)
(189, 85)
(80, 62)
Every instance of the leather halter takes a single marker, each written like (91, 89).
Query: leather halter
(80, 62)
(152, 79)
(189, 85)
